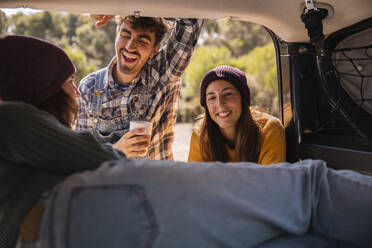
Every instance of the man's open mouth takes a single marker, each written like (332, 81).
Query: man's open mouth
(130, 58)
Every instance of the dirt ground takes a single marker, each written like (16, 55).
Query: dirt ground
(182, 135)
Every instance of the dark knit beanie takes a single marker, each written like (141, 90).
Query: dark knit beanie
(31, 70)
(229, 74)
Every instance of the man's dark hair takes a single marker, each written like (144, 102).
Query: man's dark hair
(157, 25)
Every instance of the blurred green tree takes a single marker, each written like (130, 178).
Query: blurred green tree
(3, 23)
(260, 67)
(97, 43)
(80, 61)
(45, 25)
(238, 36)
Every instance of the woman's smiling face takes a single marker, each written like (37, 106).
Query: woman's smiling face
(224, 104)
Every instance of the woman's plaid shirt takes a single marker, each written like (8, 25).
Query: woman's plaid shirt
(153, 94)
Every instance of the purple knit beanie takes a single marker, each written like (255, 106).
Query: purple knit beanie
(229, 74)
(31, 70)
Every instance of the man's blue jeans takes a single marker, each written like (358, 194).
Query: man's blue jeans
(172, 204)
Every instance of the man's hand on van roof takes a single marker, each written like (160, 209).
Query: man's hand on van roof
(101, 19)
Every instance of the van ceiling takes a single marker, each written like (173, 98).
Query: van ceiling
(281, 16)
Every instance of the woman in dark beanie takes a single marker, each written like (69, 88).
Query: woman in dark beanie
(38, 149)
(230, 130)
(37, 72)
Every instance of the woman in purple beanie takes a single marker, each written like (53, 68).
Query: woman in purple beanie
(231, 130)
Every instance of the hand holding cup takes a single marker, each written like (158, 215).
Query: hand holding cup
(135, 143)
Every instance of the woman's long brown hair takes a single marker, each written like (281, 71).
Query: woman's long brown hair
(213, 145)
(61, 106)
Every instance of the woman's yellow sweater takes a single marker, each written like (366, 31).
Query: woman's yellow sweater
(272, 147)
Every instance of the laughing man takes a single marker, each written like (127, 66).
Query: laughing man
(142, 82)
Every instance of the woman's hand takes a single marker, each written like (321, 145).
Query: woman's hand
(101, 19)
(133, 143)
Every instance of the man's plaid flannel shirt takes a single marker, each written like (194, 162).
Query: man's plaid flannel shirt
(161, 79)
